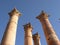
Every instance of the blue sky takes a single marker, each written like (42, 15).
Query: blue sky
(30, 9)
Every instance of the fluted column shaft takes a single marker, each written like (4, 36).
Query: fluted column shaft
(49, 32)
(36, 39)
(28, 34)
(9, 36)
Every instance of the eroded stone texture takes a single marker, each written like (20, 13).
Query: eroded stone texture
(36, 39)
(9, 36)
(49, 32)
(28, 34)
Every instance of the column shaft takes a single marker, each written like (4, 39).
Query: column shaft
(49, 32)
(9, 36)
(36, 39)
(28, 35)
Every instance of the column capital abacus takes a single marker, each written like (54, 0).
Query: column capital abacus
(14, 12)
(27, 27)
(36, 36)
(42, 16)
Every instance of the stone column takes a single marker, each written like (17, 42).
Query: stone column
(49, 32)
(9, 36)
(28, 34)
(36, 39)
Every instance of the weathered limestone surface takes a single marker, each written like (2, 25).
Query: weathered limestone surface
(36, 39)
(49, 32)
(9, 36)
(28, 34)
